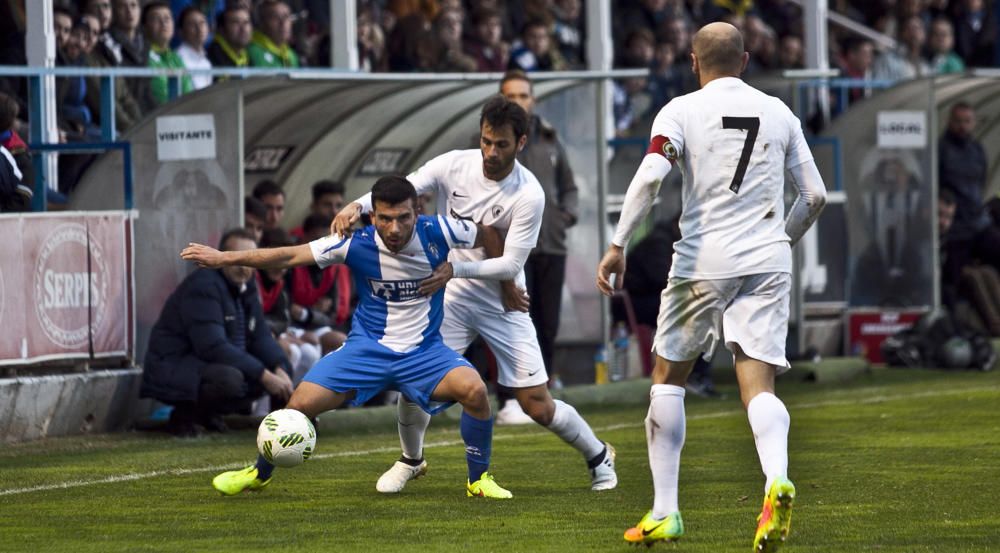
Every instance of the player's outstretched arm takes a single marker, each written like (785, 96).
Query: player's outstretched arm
(346, 219)
(809, 204)
(265, 258)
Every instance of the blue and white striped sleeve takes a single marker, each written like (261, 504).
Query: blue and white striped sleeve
(330, 250)
(458, 233)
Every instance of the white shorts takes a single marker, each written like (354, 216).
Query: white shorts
(750, 311)
(510, 336)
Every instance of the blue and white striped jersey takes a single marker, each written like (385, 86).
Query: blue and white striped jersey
(391, 309)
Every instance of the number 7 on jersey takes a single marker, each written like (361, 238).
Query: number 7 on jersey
(751, 125)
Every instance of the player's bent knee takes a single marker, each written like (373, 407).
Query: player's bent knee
(540, 411)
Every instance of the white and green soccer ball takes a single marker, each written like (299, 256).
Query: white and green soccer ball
(286, 438)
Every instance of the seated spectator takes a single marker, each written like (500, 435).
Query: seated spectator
(975, 33)
(568, 31)
(158, 26)
(273, 197)
(486, 44)
(665, 79)
(857, 58)
(906, 61)
(640, 49)
(943, 57)
(327, 201)
(194, 33)
(270, 44)
(211, 352)
(321, 298)
(15, 193)
(276, 303)
(232, 35)
(448, 28)
(791, 54)
(761, 42)
(75, 118)
(372, 56)
(95, 52)
(132, 47)
(254, 217)
(404, 41)
(644, 14)
(537, 52)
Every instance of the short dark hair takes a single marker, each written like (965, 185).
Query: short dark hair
(253, 206)
(64, 9)
(961, 104)
(236, 232)
(155, 4)
(316, 221)
(324, 187)
(535, 22)
(517, 75)
(8, 112)
(500, 111)
(483, 14)
(276, 238)
(220, 20)
(267, 188)
(185, 13)
(853, 43)
(946, 196)
(394, 190)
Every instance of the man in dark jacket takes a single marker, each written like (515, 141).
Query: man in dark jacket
(211, 351)
(962, 170)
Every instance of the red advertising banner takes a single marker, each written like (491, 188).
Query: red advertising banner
(65, 282)
(866, 330)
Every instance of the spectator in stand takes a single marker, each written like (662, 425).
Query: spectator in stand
(677, 31)
(962, 169)
(943, 57)
(975, 33)
(760, 41)
(232, 35)
(408, 34)
(270, 45)
(273, 197)
(640, 49)
(191, 50)
(209, 9)
(486, 45)
(94, 53)
(15, 191)
(665, 79)
(545, 269)
(703, 12)
(327, 201)
(791, 54)
(106, 48)
(907, 60)
(856, 63)
(132, 47)
(254, 217)
(62, 25)
(645, 14)
(158, 26)
(75, 117)
(537, 52)
(372, 56)
(211, 352)
(568, 31)
(448, 28)
(321, 298)
(277, 304)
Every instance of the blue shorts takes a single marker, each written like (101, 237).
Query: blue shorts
(367, 367)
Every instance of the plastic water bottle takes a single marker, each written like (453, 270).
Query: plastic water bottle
(601, 366)
(619, 365)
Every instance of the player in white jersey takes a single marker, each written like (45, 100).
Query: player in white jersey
(489, 186)
(395, 341)
(731, 268)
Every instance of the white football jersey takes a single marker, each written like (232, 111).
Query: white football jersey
(733, 143)
(513, 205)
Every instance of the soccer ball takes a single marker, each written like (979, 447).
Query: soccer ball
(286, 438)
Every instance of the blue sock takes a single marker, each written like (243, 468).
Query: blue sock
(478, 437)
(263, 468)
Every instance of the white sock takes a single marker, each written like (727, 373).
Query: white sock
(769, 421)
(570, 426)
(412, 422)
(665, 428)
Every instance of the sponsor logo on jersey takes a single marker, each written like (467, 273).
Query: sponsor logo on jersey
(68, 287)
(395, 290)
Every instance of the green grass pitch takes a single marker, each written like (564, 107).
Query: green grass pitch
(895, 461)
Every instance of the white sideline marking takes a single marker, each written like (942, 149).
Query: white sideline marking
(448, 443)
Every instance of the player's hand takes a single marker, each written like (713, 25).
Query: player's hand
(277, 383)
(204, 256)
(513, 297)
(612, 264)
(344, 220)
(438, 279)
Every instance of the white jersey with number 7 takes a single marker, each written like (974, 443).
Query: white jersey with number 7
(733, 143)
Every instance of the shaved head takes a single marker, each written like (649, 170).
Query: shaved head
(719, 49)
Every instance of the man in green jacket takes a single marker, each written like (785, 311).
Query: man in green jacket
(269, 47)
(158, 25)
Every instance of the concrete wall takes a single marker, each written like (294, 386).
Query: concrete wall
(60, 405)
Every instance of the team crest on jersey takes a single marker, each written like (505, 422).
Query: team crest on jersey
(496, 211)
